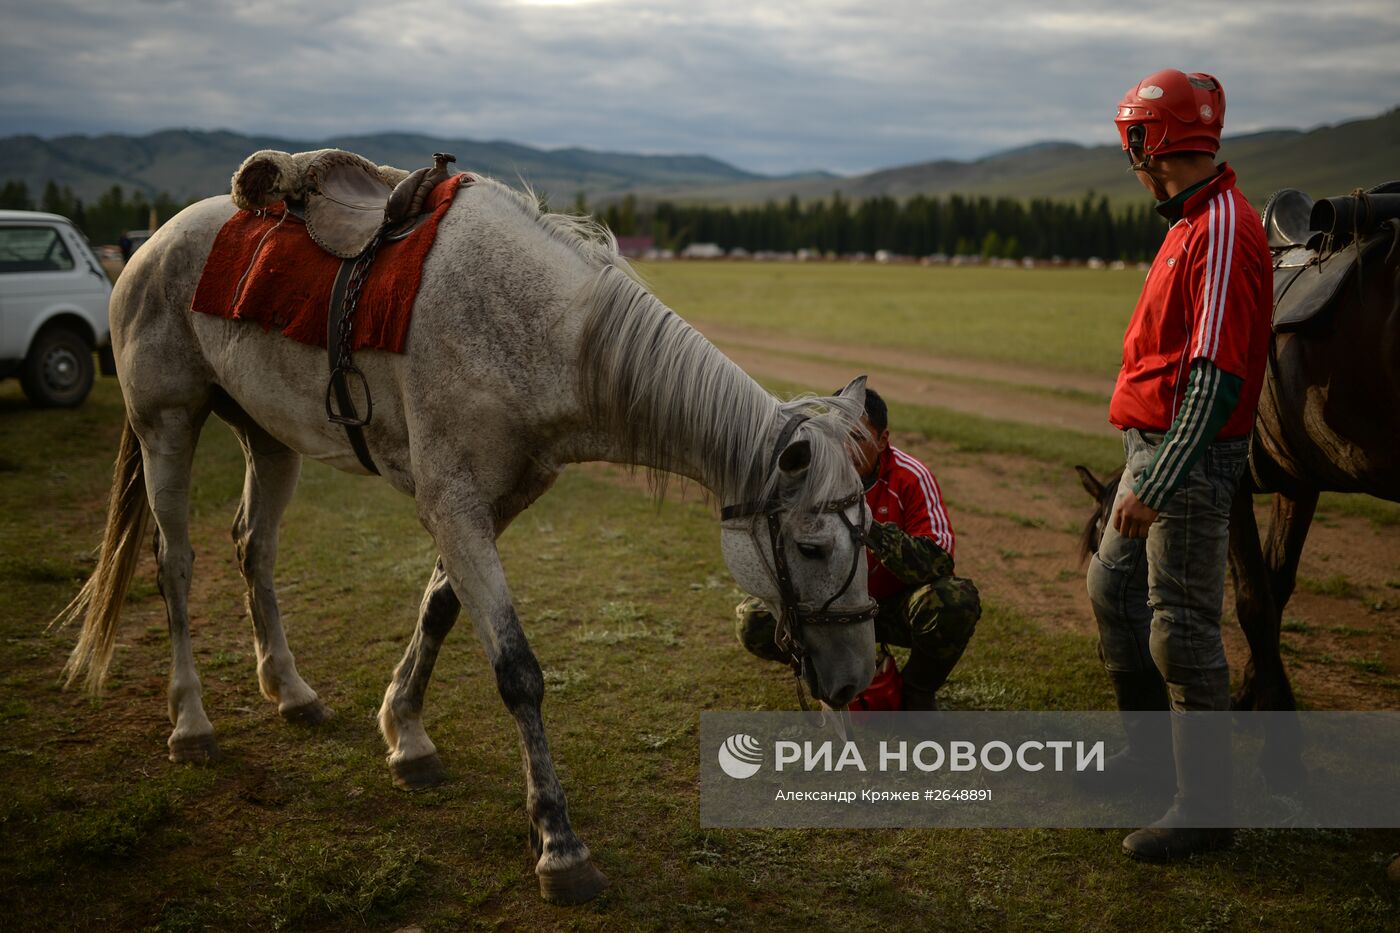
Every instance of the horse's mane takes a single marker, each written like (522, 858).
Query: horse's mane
(594, 242)
(654, 381)
(650, 379)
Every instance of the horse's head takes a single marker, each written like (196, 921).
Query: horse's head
(800, 547)
(1104, 493)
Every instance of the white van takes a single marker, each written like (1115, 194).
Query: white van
(53, 308)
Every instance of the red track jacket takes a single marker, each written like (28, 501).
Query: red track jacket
(1209, 294)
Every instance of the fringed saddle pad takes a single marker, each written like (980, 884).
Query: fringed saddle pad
(265, 268)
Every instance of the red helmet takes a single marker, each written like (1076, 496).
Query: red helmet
(1176, 112)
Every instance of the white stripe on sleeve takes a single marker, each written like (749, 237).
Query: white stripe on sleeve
(938, 517)
(1224, 291)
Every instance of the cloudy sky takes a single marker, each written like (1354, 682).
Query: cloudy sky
(770, 85)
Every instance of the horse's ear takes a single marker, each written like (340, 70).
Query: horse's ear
(795, 458)
(1091, 484)
(855, 389)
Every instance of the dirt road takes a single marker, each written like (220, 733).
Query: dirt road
(992, 390)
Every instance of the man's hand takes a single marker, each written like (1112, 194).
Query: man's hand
(881, 535)
(1132, 519)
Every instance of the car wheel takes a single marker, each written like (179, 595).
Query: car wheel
(58, 371)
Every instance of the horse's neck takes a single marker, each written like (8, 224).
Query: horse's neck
(627, 380)
(657, 394)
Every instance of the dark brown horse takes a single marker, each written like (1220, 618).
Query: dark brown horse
(1328, 419)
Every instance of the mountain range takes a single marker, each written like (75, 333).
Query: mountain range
(195, 163)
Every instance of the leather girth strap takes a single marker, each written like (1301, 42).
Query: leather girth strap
(344, 413)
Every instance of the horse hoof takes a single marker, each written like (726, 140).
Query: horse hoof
(308, 714)
(418, 773)
(194, 749)
(577, 884)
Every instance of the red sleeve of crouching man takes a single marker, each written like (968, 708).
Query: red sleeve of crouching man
(924, 514)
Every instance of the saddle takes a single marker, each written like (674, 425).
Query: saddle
(1317, 244)
(344, 199)
(1288, 218)
(349, 206)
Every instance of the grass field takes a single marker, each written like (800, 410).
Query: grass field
(630, 610)
(1069, 319)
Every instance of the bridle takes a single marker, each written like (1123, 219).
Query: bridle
(792, 615)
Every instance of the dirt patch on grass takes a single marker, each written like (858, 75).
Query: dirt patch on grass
(992, 390)
(1018, 521)
(1026, 376)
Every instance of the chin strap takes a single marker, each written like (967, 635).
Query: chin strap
(1145, 166)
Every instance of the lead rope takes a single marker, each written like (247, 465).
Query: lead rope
(799, 688)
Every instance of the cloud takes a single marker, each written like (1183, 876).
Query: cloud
(774, 86)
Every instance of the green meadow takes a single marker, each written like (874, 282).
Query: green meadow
(1068, 319)
(630, 610)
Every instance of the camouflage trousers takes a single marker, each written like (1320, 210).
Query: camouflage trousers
(935, 622)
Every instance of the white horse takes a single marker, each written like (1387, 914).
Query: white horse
(530, 347)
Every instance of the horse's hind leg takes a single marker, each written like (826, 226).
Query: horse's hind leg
(168, 438)
(271, 478)
(413, 758)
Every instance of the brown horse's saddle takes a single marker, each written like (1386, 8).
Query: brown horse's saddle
(345, 199)
(1314, 257)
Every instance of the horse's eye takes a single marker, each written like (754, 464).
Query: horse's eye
(809, 551)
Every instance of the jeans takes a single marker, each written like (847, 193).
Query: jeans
(1158, 601)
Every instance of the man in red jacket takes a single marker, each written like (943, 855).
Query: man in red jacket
(909, 558)
(1193, 364)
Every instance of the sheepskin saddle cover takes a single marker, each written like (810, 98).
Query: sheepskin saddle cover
(264, 267)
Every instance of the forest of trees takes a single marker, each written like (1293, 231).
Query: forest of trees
(918, 226)
(103, 221)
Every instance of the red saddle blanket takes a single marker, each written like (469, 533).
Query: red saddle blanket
(265, 268)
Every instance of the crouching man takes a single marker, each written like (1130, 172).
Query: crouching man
(923, 606)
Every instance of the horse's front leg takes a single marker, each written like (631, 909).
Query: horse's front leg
(413, 758)
(465, 533)
(1254, 605)
(1263, 578)
(1289, 524)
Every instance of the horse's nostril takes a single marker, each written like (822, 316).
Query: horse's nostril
(843, 696)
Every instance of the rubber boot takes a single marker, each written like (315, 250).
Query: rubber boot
(1145, 762)
(917, 699)
(1195, 823)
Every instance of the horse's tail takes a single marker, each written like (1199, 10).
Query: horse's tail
(99, 603)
